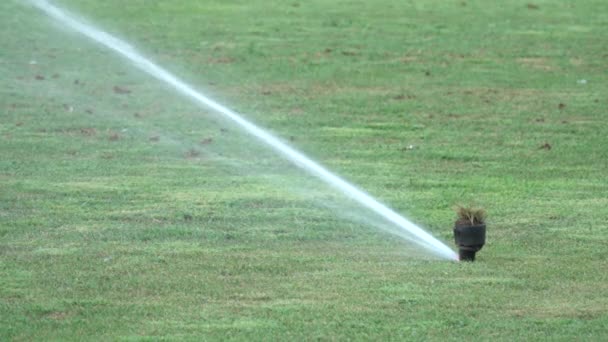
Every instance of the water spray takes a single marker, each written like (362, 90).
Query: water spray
(418, 235)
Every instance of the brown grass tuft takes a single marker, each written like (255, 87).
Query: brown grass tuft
(470, 215)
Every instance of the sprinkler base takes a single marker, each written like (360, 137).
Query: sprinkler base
(466, 255)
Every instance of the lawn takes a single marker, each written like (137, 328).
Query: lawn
(129, 213)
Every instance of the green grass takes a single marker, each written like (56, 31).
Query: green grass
(117, 223)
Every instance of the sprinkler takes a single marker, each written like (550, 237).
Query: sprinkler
(469, 232)
(469, 239)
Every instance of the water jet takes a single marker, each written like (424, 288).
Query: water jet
(414, 232)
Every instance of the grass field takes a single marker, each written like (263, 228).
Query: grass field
(127, 213)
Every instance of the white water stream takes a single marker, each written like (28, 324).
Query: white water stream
(415, 233)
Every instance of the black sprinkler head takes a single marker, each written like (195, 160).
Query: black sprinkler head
(469, 239)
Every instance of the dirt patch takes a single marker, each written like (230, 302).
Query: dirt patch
(514, 97)
(296, 111)
(402, 97)
(107, 155)
(192, 154)
(539, 63)
(577, 61)
(121, 90)
(480, 91)
(220, 60)
(277, 89)
(88, 131)
(113, 136)
(408, 59)
(561, 311)
(57, 315)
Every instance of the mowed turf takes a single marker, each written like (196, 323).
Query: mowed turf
(127, 213)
